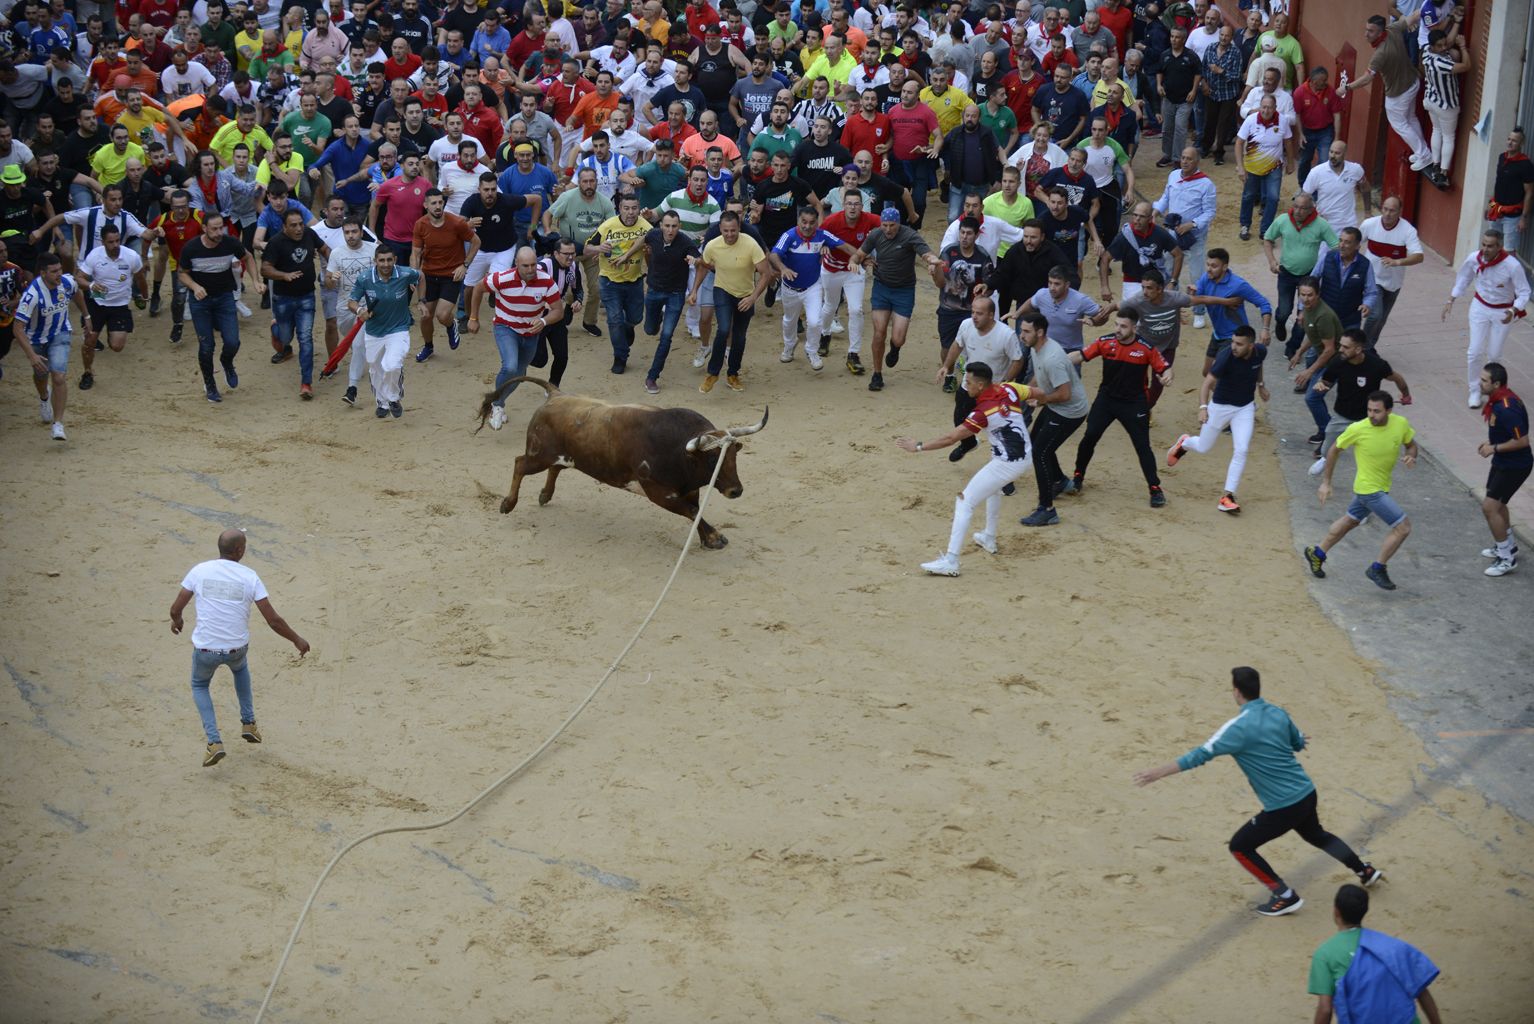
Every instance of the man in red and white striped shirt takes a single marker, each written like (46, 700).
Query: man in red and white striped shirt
(526, 301)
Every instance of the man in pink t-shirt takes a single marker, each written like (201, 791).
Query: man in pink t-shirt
(403, 200)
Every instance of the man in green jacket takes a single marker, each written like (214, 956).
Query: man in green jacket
(1264, 740)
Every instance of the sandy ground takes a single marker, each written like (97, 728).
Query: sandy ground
(848, 793)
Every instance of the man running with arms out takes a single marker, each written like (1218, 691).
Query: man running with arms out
(41, 327)
(838, 277)
(438, 251)
(1057, 387)
(894, 248)
(1228, 399)
(796, 257)
(1363, 975)
(1122, 397)
(999, 411)
(1379, 438)
(1264, 740)
(225, 590)
(1507, 446)
(381, 299)
(111, 273)
(526, 300)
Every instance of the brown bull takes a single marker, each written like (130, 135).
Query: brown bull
(667, 455)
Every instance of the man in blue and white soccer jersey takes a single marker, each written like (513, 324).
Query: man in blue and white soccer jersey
(42, 326)
(796, 258)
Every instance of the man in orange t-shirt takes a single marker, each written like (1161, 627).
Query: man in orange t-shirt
(592, 110)
(438, 253)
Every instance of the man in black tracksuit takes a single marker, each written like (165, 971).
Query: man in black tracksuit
(1122, 397)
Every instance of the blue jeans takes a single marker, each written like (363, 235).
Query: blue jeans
(294, 315)
(216, 312)
(516, 352)
(1263, 187)
(1317, 145)
(916, 175)
(1315, 400)
(662, 311)
(204, 664)
(623, 302)
(956, 194)
(731, 332)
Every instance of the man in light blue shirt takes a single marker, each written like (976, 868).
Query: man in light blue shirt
(1064, 307)
(1225, 294)
(1263, 740)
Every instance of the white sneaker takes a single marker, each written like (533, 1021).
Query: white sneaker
(787, 356)
(1317, 467)
(58, 435)
(1418, 164)
(1502, 566)
(1475, 400)
(701, 359)
(497, 417)
(45, 409)
(1198, 321)
(1494, 553)
(986, 541)
(836, 327)
(816, 363)
(947, 565)
(694, 332)
(242, 309)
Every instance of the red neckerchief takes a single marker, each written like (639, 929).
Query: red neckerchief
(473, 160)
(1500, 395)
(1267, 124)
(700, 196)
(1074, 177)
(1484, 264)
(1139, 234)
(1195, 176)
(1299, 226)
(1513, 158)
(1112, 118)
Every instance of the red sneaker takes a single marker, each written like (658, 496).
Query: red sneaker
(1228, 504)
(305, 392)
(1175, 453)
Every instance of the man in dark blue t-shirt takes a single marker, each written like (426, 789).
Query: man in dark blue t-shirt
(1507, 446)
(1228, 398)
(1064, 107)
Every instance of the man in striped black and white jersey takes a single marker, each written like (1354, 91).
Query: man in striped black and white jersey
(43, 329)
(526, 301)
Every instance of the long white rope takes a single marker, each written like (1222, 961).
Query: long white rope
(724, 449)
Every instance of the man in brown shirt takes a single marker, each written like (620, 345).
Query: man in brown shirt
(438, 252)
(1392, 63)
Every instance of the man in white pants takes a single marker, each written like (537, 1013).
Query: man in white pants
(797, 258)
(1228, 399)
(1501, 291)
(1403, 81)
(381, 299)
(838, 277)
(348, 261)
(999, 411)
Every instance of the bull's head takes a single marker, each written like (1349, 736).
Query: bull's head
(706, 447)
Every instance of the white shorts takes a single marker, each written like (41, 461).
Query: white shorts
(329, 300)
(486, 263)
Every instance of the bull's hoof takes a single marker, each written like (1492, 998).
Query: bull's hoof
(715, 542)
(544, 497)
(507, 505)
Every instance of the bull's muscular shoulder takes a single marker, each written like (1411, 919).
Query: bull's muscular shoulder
(618, 443)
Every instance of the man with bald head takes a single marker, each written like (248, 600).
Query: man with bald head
(225, 590)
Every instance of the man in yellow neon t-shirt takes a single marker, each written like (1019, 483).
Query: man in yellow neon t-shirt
(622, 284)
(242, 129)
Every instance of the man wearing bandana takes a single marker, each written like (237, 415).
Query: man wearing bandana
(1501, 295)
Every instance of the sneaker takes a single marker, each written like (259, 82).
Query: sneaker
(1058, 488)
(306, 392)
(396, 410)
(652, 386)
(876, 382)
(1041, 516)
(1246, 233)
(1316, 559)
(266, 300)
(350, 398)
(452, 334)
(825, 345)
(1228, 504)
(1475, 400)
(708, 383)
(58, 432)
(1369, 876)
(947, 565)
(1157, 498)
(1380, 577)
(45, 410)
(382, 412)
(1417, 164)
(1318, 437)
(950, 384)
(1198, 321)
(1278, 906)
(427, 351)
(244, 310)
(734, 383)
(1175, 453)
(249, 733)
(1494, 553)
(696, 336)
(701, 359)
(787, 355)
(175, 334)
(1073, 485)
(214, 755)
(1165, 161)
(836, 328)
(816, 363)
(986, 541)
(619, 365)
(962, 449)
(497, 417)
(1009, 489)
(892, 356)
(1502, 566)
(1317, 467)
(592, 329)
(231, 377)
(214, 396)
(154, 304)
(282, 355)
(854, 364)
(87, 380)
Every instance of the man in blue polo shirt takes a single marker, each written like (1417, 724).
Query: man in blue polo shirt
(796, 258)
(525, 176)
(1225, 294)
(1263, 741)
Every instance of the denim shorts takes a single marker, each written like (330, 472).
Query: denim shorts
(56, 352)
(330, 302)
(900, 301)
(1379, 503)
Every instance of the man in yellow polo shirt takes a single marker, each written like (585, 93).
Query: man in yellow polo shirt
(110, 162)
(835, 63)
(242, 129)
(145, 124)
(946, 102)
(621, 284)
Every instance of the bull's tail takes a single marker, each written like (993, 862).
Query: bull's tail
(499, 393)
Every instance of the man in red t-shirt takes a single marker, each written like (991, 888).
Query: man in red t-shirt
(868, 129)
(401, 63)
(852, 226)
(1022, 86)
(1118, 18)
(1320, 112)
(479, 120)
(527, 42)
(914, 132)
(177, 227)
(438, 252)
(159, 13)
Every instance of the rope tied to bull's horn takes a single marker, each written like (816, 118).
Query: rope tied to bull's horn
(730, 435)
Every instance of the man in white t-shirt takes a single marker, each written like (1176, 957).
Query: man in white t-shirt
(1333, 185)
(185, 77)
(445, 151)
(458, 177)
(225, 590)
(113, 272)
(1391, 245)
(347, 261)
(980, 339)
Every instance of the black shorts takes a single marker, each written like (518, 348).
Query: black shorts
(443, 289)
(1215, 345)
(115, 319)
(1502, 482)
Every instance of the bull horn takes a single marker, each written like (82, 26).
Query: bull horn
(748, 431)
(704, 442)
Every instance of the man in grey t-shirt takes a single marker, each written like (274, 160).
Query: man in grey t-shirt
(1160, 318)
(1064, 308)
(1058, 390)
(894, 249)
